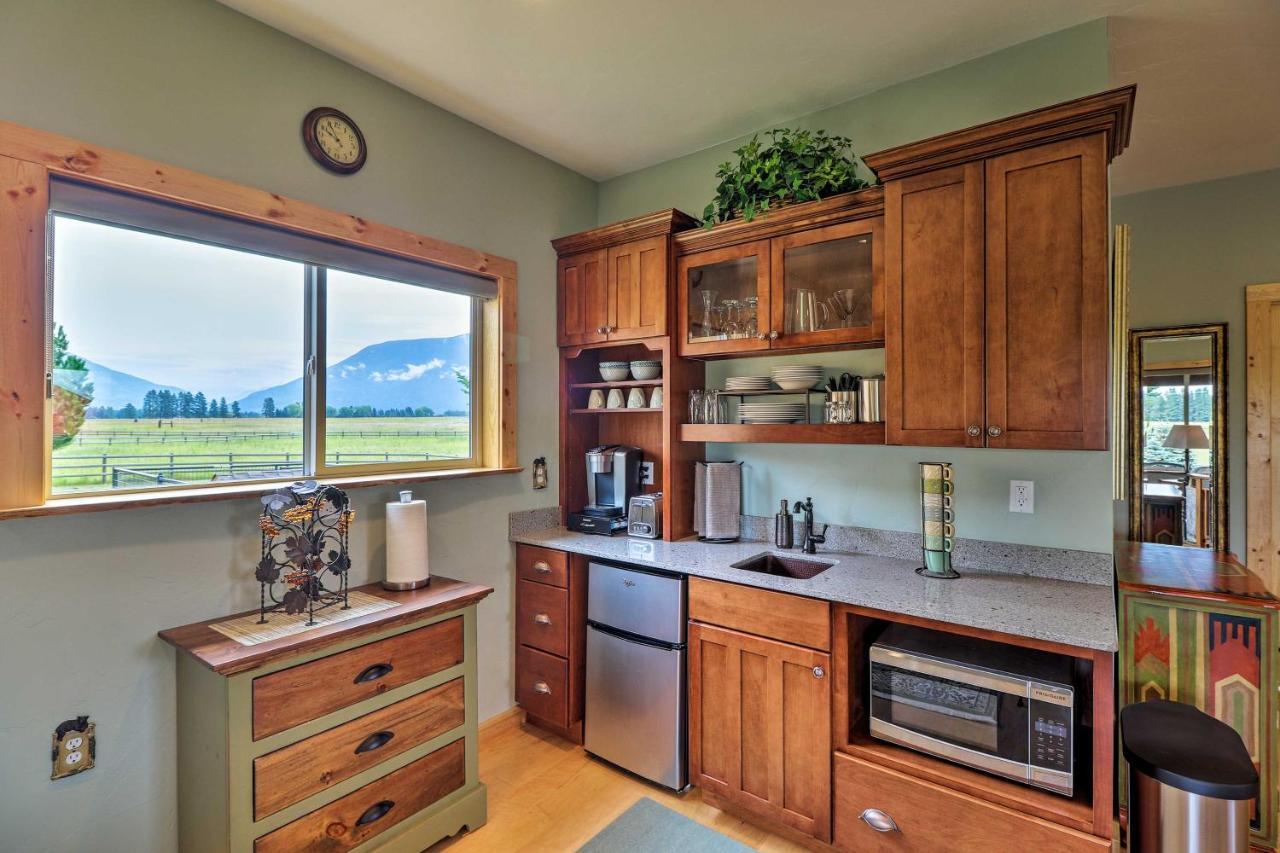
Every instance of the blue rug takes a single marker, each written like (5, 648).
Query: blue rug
(648, 826)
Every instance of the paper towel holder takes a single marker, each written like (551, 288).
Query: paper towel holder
(406, 496)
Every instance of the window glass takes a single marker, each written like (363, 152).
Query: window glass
(163, 351)
(398, 372)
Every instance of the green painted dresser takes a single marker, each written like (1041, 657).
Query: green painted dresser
(354, 736)
(1197, 627)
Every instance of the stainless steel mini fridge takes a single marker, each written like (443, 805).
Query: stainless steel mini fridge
(635, 711)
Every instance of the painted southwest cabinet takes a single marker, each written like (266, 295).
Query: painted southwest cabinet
(1197, 627)
(357, 735)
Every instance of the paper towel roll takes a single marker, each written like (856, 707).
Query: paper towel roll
(407, 544)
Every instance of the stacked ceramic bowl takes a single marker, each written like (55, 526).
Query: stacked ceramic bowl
(800, 377)
(748, 383)
(771, 413)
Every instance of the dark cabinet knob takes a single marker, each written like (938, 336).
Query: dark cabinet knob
(375, 812)
(377, 740)
(373, 673)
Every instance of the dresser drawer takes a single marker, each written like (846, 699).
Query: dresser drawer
(930, 817)
(366, 812)
(542, 685)
(542, 617)
(302, 693)
(775, 615)
(284, 777)
(542, 565)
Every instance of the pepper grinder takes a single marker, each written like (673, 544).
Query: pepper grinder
(783, 528)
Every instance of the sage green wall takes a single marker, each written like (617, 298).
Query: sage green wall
(1193, 250)
(193, 83)
(876, 486)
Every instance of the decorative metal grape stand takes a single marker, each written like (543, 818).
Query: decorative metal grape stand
(304, 550)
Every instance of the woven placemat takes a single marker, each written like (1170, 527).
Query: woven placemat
(246, 630)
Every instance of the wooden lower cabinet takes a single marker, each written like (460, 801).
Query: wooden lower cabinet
(926, 817)
(393, 769)
(760, 727)
(551, 638)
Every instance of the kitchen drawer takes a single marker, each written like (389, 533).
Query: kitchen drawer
(776, 615)
(542, 565)
(542, 617)
(930, 817)
(302, 693)
(366, 812)
(284, 777)
(542, 685)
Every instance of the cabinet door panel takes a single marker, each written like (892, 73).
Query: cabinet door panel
(583, 299)
(1047, 297)
(638, 289)
(841, 268)
(760, 726)
(934, 309)
(706, 282)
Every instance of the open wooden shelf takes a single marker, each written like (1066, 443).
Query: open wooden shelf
(785, 433)
(623, 411)
(626, 383)
(1074, 812)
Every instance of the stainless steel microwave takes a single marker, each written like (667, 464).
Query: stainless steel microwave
(1003, 709)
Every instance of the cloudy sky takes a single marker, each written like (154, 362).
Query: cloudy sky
(216, 320)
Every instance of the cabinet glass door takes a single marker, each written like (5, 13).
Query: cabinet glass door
(828, 285)
(724, 304)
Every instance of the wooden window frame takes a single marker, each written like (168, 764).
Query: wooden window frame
(29, 158)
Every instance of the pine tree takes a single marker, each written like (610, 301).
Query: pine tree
(222, 407)
(201, 405)
(268, 407)
(235, 410)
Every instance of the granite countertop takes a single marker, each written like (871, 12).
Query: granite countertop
(1069, 612)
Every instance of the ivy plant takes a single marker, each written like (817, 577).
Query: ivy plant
(795, 166)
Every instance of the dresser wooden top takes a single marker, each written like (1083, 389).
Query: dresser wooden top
(1194, 572)
(227, 657)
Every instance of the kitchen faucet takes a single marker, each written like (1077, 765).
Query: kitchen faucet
(811, 539)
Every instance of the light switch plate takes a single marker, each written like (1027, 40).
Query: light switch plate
(1022, 496)
(74, 747)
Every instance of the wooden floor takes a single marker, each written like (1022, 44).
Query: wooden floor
(546, 794)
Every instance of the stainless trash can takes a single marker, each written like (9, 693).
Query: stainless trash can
(1190, 780)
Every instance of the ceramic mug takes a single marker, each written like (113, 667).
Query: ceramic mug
(635, 400)
(655, 399)
(615, 399)
(596, 399)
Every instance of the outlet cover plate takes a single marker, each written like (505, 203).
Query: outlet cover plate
(1022, 496)
(74, 747)
(646, 473)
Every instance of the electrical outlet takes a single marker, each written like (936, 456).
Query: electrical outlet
(74, 747)
(646, 473)
(1022, 496)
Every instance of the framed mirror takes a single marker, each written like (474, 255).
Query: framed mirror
(1177, 448)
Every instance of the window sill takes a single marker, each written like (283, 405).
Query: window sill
(135, 500)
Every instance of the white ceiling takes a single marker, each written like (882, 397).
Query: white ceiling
(609, 86)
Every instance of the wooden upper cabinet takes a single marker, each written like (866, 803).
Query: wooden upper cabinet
(826, 285)
(1047, 297)
(637, 289)
(934, 335)
(613, 282)
(583, 303)
(760, 726)
(724, 303)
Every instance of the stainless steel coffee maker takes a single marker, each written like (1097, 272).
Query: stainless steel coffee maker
(613, 477)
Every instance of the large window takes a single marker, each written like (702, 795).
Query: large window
(191, 357)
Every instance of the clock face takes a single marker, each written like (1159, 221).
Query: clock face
(334, 140)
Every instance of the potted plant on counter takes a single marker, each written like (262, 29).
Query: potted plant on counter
(795, 166)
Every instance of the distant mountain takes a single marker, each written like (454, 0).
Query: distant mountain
(389, 375)
(117, 389)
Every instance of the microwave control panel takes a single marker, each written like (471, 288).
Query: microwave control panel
(1051, 736)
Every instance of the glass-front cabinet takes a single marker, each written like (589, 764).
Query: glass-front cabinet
(814, 288)
(724, 300)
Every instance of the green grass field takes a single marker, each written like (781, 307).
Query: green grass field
(199, 449)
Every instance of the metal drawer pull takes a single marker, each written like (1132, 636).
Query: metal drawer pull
(819, 672)
(974, 430)
(542, 619)
(377, 811)
(373, 673)
(542, 566)
(541, 687)
(994, 431)
(600, 330)
(878, 820)
(377, 740)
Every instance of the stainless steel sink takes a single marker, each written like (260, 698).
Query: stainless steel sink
(787, 567)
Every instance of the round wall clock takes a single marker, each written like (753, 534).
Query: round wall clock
(334, 140)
